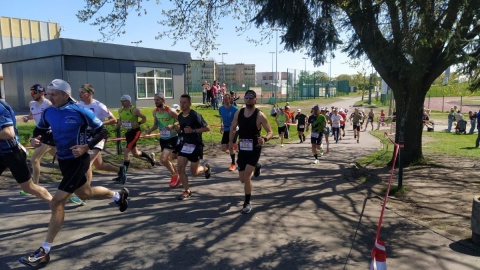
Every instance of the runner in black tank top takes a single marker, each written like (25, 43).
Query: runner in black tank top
(249, 144)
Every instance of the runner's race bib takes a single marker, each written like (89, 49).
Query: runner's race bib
(301, 126)
(315, 134)
(127, 124)
(246, 144)
(188, 148)
(164, 133)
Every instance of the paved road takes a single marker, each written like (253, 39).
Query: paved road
(305, 216)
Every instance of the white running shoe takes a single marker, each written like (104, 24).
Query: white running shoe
(316, 161)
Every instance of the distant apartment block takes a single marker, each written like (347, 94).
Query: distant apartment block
(235, 76)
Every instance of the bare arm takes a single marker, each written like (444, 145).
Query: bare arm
(138, 113)
(263, 122)
(233, 126)
(155, 124)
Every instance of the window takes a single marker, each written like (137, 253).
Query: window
(154, 80)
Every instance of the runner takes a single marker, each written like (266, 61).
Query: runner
(318, 123)
(250, 120)
(227, 112)
(371, 116)
(165, 120)
(381, 119)
(86, 94)
(326, 132)
(356, 119)
(192, 125)
(336, 123)
(281, 119)
(300, 121)
(37, 105)
(128, 118)
(343, 114)
(14, 156)
(69, 123)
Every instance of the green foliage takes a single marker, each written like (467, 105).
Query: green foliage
(450, 90)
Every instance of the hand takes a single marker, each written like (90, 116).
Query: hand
(188, 129)
(79, 150)
(35, 142)
(261, 141)
(25, 119)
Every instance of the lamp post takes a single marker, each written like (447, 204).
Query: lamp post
(272, 73)
(276, 61)
(222, 54)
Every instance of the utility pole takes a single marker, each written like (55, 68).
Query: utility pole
(222, 54)
(272, 74)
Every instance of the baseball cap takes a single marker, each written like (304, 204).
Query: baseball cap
(37, 88)
(59, 84)
(176, 107)
(88, 88)
(316, 108)
(160, 95)
(126, 97)
(299, 110)
(250, 93)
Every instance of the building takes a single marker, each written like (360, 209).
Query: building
(17, 32)
(274, 81)
(112, 69)
(237, 77)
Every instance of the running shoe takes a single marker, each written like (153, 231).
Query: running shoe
(76, 200)
(24, 193)
(122, 175)
(37, 259)
(258, 170)
(232, 167)
(207, 171)
(122, 202)
(185, 195)
(358, 141)
(316, 161)
(152, 156)
(281, 145)
(247, 209)
(174, 181)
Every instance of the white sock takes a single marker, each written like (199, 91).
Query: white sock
(47, 246)
(116, 197)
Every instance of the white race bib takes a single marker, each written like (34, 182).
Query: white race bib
(127, 124)
(164, 133)
(188, 148)
(246, 144)
(301, 126)
(314, 135)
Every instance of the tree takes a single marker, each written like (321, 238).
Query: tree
(409, 43)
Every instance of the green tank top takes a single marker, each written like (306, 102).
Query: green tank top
(163, 120)
(281, 120)
(127, 118)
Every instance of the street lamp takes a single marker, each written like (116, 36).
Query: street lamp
(272, 72)
(276, 60)
(222, 54)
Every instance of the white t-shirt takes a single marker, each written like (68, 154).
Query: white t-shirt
(37, 110)
(98, 108)
(336, 120)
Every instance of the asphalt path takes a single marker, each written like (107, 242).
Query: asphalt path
(305, 216)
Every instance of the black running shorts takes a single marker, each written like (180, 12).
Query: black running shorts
(73, 172)
(248, 158)
(17, 163)
(168, 143)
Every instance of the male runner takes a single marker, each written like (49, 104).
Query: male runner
(300, 121)
(318, 123)
(165, 119)
(227, 112)
(192, 125)
(128, 118)
(250, 121)
(69, 123)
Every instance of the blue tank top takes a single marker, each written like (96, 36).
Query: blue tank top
(7, 118)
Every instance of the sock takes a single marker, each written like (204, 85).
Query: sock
(247, 199)
(233, 158)
(126, 163)
(47, 246)
(328, 144)
(300, 137)
(116, 197)
(303, 137)
(316, 156)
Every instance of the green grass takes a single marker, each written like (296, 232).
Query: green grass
(395, 190)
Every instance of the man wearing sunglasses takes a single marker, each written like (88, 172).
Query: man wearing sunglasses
(38, 104)
(250, 121)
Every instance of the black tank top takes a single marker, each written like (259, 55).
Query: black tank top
(248, 126)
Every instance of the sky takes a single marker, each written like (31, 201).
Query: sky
(145, 28)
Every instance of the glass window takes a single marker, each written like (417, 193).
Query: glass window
(154, 80)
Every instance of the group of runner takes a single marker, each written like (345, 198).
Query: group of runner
(75, 133)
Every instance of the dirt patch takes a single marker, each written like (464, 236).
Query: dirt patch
(439, 195)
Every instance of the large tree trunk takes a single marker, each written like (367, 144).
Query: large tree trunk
(409, 105)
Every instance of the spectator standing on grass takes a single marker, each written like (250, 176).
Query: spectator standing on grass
(451, 119)
(473, 121)
(204, 92)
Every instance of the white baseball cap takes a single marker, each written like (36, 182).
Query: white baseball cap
(299, 110)
(59, 84)
(126, 97)
(176, 107)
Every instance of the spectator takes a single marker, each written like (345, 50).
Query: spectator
(473, 121)
(204, 92)
(478, 129)
(451, 118)
(214, 95)
(274, 110)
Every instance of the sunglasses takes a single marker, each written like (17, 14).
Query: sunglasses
(249, 97)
